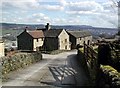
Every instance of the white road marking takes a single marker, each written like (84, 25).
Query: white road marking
(23, 77)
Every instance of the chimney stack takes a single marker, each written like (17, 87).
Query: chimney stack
(26, 29)
(47, 26)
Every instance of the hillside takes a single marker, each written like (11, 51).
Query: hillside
(16, 29)
(34, 26)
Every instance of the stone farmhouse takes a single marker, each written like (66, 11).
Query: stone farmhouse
(79, 37)
(52, 39)
(56, 39)
(30, 40)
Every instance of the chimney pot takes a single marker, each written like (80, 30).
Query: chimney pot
(47, 26)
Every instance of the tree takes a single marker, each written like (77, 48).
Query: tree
(118, 32)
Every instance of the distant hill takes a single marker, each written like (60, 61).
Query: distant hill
(19, 26)
(34, 26)
(93, 30)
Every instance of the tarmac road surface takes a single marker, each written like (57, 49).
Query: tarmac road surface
(54, 71)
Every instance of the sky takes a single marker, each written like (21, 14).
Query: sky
(97, 13)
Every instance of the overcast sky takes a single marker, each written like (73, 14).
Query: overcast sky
(98, 13)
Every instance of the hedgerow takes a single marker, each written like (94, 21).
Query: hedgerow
(111, 75)
(20, 60)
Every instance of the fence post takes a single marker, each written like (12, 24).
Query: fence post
(92, 59)
(88, 42)
(103, 58)
(98, 67)
(84, 51)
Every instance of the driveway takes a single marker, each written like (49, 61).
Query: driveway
(54, 71)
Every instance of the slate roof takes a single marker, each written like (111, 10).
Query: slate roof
(79, 34)
(36, 34)
(52, 32)
(43, 29)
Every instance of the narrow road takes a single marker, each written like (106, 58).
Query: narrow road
(54, 70)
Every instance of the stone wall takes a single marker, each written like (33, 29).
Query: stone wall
(19, 60)
(110, 77)
(104, 75)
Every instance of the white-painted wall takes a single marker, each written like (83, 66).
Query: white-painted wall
(62, 44)
(37, 44)
(2, 52)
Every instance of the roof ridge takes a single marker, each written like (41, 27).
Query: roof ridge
(36, 33)
(53, 32)
(79, 33)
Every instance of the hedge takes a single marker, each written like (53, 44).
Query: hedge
(19, 60)
(112, 76)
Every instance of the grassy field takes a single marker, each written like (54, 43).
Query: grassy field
(11, 31)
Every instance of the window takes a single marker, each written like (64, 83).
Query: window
(80, 38)
(65, 40)
(37, 49)
(37, 40)
(42, 39)
(66, 47)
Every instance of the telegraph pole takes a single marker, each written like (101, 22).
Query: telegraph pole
(119, 18)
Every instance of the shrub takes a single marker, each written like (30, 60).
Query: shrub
(20, 60)
(111, 74)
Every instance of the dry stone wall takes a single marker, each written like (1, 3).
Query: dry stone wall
(19, 60)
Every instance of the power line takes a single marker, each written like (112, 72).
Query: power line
(114, 5)
(113, 8)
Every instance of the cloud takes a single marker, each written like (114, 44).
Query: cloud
(38, 15)
(92, 9)
(19, 4)
(68, 21)
(112, 19)
(38, 18)
(59, 21)
(63, 2)
(85, 6)
(110, 6)
(53, 8)
(32, 5)
(89, 12)
(29, 19)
